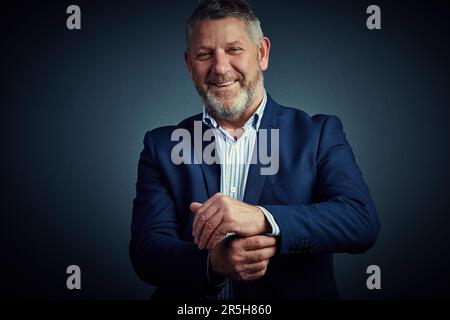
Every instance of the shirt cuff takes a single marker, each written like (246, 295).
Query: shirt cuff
(273, 224)
(214, 282)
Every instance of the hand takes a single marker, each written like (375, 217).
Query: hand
(220, 215)
(243, 259)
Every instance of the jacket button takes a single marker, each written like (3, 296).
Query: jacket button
(295, 249)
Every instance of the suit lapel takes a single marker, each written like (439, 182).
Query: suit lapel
(211, 172)
(256, 181)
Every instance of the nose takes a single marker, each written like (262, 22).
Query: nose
(221, 63)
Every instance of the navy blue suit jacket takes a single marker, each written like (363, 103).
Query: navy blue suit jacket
(318, 199)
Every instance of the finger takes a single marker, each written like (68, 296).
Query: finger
(199, 212)
(203, 218)
(258, 242)
(249, 276)
(209, 228)
(255, 276)
(222, 232)
(194, 206)
(210, 201)
(254, 267)
(260, 255)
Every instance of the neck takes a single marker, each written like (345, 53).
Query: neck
(239, 123)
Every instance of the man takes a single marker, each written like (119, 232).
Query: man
(226, 230)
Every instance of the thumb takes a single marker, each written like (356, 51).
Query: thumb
(195, 206)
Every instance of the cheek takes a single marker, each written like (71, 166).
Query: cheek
(199, 73)
(200, 68)
(240, 65)
(245, 66)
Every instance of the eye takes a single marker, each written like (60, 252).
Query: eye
(234, 50)
(203, 55)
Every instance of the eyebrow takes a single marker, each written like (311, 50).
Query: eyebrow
(234, 43)
(228, 44)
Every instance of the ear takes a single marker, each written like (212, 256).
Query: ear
(264, 50)
(188, 63)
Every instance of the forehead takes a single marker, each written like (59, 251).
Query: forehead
(211, 33)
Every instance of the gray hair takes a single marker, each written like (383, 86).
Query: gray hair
(220, 9)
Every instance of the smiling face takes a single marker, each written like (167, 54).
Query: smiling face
(226, 67)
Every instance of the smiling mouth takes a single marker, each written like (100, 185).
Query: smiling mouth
(224, 85)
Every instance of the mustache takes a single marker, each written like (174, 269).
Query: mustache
(220, 79)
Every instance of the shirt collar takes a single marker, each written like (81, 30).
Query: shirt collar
(254, 121)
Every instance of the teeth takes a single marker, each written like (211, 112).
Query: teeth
(226, 84)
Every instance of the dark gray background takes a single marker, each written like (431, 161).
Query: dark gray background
(76, 105)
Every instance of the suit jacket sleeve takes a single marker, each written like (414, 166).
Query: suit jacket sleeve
(158, 255)
(343, 217)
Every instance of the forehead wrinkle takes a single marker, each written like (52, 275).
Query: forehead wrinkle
(234, 32)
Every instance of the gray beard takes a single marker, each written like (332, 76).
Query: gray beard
(240, 105)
